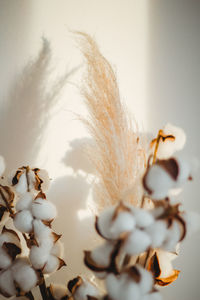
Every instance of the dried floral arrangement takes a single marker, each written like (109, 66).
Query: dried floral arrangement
(140, 223)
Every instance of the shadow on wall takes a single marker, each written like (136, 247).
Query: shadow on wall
(26, 110)
(70, 194)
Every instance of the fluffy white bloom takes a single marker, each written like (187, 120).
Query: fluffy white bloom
(146, 281)
(158, 233)
(84, 290)
(22, 186)
(24, 275)
(173, 236)
(122, 288)
(7, 287)
(23, 221)
(169, 146)
(43, 209)
(51, 265)
(158, 182)
(111, 226)
(25, 201)
(143, 218)
(102, 254)
(137, 242)
(2, 165)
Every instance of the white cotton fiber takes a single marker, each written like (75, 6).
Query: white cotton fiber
(123, 223)
(137, 242)
(112, 286)
(143, 218)
(23, 221)
(6, 283)
(159, 182)
(84, 290)
(168, 147)
(104, 222)
(21, 187)
(43, 209)
(130, 291)
(173, 236)
(38, 256)
(102, 254)
(146, 282)
(5, 259)
(2, 165)
(43, 234)
(24, 201)
(158, 232)
(24, 276)
(58, 291)
(52, 264)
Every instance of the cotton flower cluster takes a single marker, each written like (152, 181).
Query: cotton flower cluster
(18, 279)
(165, 175)
(133, 283)
(34, 217)
(82, 289)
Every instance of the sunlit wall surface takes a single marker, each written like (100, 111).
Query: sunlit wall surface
(154, 48)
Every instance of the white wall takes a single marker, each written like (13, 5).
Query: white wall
(154, 46)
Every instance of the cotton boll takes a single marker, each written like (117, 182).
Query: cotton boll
(7, 284)
(5, 260)
(24, 276)
(123, 223)
(192, 220)
(25, 201)
(38, 257)
(41, 231)
(43, 235)
(146, 282)
(51, 265)
(112, 286)
(143, 218)
(137, 242)
(84, 290)
(58, 291)
(21, 187)
(2, 165)
(157, 182)
(43, 209)
(23, 221)
(104, 222)
(130, 291)
(173, 237)
(158, 232)
(168, 147)
(57, 249)
(102, 254)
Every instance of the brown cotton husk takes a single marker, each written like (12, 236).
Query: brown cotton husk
(118, 156)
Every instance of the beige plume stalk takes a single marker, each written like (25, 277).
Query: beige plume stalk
(118, 156)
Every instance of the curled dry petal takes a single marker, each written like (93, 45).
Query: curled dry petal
(154, 267)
